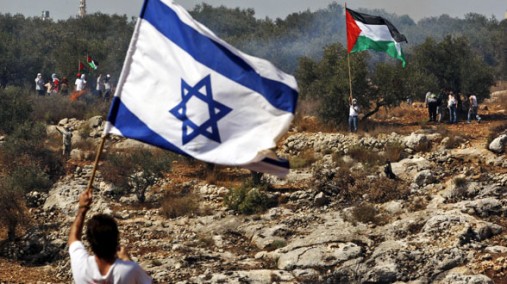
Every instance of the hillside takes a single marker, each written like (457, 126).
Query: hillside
(338, 219)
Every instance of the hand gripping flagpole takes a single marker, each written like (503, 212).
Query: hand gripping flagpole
(97, 159)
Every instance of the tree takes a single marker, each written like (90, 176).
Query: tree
(12, 209)
(137, 170)
(455, 66)
(391, 84)
(327, 82)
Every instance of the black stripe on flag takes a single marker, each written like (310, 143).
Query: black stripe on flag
(377, 20)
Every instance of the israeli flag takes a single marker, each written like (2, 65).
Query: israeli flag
(184, 89)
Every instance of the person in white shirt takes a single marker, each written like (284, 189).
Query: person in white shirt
(99, 88)
(80, 83)
(353, 114)
(452, 105)
(473, 108)
(107, 87)
(110, 263)
(39, 85)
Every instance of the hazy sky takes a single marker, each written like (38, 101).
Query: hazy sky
(416, 9)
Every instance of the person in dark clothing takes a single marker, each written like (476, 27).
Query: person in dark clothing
(389, 171)
(432, 103)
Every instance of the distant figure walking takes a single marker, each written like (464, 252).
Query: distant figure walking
(39, 85)
(473, 108)
(431, 103)
(452, 105)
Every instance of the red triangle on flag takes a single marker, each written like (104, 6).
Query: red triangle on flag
(353, 32)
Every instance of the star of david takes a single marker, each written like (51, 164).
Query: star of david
(216, 110)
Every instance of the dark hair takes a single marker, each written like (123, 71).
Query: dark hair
(103, 235)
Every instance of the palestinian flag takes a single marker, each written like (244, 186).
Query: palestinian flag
(373, 32)
(91, 62)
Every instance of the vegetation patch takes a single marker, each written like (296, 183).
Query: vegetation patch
(304, 159)
(180, 204)
(249, 200)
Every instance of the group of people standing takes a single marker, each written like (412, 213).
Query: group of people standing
(61, 87)
(436, 106)
(52, 86)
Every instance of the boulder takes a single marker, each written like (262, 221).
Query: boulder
(498, 144)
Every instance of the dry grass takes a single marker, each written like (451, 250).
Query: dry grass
(175, 205)
(381, 189)
(394, 151)
(418, 203)
(304, 159)
(367, 213)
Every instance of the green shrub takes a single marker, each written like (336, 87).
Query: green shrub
(15, 108)
(136, 170)
(247, 200)
(28, 164)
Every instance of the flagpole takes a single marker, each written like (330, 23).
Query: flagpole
(348, 57)
(97, 158)
(350, 77)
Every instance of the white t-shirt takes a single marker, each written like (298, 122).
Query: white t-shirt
(473, 101)
(354, 110)
(80, 84)
(85, 269)
(451, 101)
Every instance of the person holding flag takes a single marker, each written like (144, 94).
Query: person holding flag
(353, 114)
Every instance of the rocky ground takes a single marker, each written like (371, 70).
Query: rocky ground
(440, 221)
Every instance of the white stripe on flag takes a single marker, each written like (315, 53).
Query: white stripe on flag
(235, 106)
(375, 32)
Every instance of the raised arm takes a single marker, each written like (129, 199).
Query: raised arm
(76, 230)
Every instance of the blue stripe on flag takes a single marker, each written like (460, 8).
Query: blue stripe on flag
(217, 57)
(282, 163)
(132, 127)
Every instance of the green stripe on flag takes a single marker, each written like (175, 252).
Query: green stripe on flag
(92, 65)
(365, 43)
